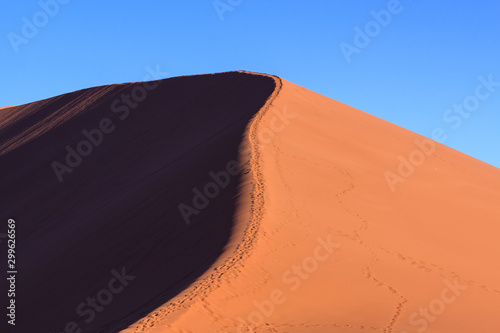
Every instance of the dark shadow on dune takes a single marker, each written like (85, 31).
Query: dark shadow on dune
(118, 209)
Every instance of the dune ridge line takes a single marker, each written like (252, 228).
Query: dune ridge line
(242, 250)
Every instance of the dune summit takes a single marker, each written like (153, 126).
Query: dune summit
(241, 202)
(103, 242)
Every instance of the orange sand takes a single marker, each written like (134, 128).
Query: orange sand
(311, 238)
(421, 258)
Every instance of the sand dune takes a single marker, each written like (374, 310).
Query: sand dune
(326, 230)
(117, 212)
(330, 248)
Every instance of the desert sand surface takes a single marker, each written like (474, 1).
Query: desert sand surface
(116, 213)
(329, 247)
(310, 237)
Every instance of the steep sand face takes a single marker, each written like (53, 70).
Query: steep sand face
(332, 246)
(107, 243)
(325, 231)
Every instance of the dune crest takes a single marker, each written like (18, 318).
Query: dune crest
(123, 195)
(241, 202)
(335, 248)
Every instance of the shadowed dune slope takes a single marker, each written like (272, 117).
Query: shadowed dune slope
(109, 226)
(332, 246)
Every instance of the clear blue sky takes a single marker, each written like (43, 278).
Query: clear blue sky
(414, 67)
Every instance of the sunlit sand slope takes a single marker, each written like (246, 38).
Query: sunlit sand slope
(341, 235)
